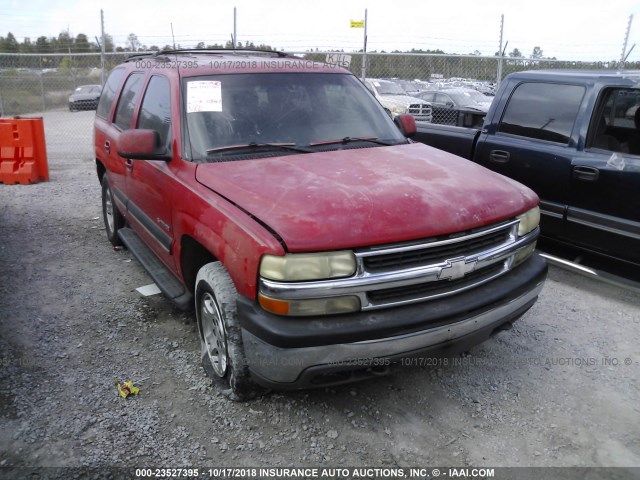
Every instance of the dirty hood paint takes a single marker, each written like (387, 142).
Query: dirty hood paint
(368, 196)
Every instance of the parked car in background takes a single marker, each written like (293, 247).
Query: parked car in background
(85, 97)
(487, 89)
(396, 101)
(448, 104)
(413, 87)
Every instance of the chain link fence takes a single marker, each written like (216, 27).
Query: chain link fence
(40, 85)
(458, 88)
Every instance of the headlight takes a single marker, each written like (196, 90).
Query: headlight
(528, 221)
(295, 267)
(397, 109)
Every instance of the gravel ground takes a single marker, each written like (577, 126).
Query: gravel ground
(562, 388)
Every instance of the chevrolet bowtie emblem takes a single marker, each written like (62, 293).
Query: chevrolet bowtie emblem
(456, 268)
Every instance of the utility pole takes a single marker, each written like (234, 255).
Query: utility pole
(364, 52)
(234, 28)
(500, 51)
(626, 40)
(102, 49)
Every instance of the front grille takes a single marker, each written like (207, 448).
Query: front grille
(85, 104)
(434, 289)
(426, 255)
(419, 109)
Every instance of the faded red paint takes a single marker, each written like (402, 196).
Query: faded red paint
(359, 197)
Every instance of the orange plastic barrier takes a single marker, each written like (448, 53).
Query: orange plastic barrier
(23, 153)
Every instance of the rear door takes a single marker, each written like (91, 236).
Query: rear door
(604, 207)
(535, 143)
(105, 134)
(122, 118)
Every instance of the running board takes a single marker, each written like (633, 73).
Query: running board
(592, 272)
(168, 284)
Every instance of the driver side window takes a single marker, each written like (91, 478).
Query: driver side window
(443, 99)
(155, 113)
(128, 101)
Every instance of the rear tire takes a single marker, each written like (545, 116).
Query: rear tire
(113, 219)
(222, 349)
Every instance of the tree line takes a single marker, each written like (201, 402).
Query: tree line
(67, 43)
(63, 43)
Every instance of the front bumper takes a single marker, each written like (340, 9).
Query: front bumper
(285, 352)
(422, 118)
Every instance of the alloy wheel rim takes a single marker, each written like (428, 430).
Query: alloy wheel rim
(214, 334)
(108, 207)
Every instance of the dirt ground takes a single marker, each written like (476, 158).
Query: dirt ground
(562, 388)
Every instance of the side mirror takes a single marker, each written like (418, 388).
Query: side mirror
(449, 104)
(407, 124)
(141, 145)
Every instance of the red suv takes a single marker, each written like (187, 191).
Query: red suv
(317, 243)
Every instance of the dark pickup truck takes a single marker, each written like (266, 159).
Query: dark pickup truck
(574, 138)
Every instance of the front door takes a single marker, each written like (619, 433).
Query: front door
(534, 143)
(149, 181)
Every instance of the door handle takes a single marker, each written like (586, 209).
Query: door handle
(587, 174)
(107, 146)
(499, 156)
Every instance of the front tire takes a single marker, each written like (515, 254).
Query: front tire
(222, 350)
(113, 219)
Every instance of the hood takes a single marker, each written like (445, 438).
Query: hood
(480, 107)
(401, 100)
(368, 196)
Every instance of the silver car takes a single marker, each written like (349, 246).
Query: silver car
(396, 101)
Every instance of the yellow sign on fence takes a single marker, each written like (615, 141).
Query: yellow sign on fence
(357, 23)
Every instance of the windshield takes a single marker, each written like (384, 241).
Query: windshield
(468, 97)
(87, 89)
(297, 109)
(410, 86)
(388, 88)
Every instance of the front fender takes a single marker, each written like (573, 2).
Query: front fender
(236, 240)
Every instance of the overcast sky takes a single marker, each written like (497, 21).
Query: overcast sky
(566, 29)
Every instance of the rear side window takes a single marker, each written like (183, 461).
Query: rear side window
(109, 93)
(128, 100)
(155, 113)
(545, 111)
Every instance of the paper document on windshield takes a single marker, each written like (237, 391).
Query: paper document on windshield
(204, 96)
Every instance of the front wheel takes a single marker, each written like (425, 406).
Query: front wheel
(113, 219)
(222, 350)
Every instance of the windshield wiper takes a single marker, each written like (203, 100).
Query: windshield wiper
(252, 145)
(347, 140)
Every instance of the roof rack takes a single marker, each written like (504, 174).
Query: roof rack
(137, 56)
(204, 51)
